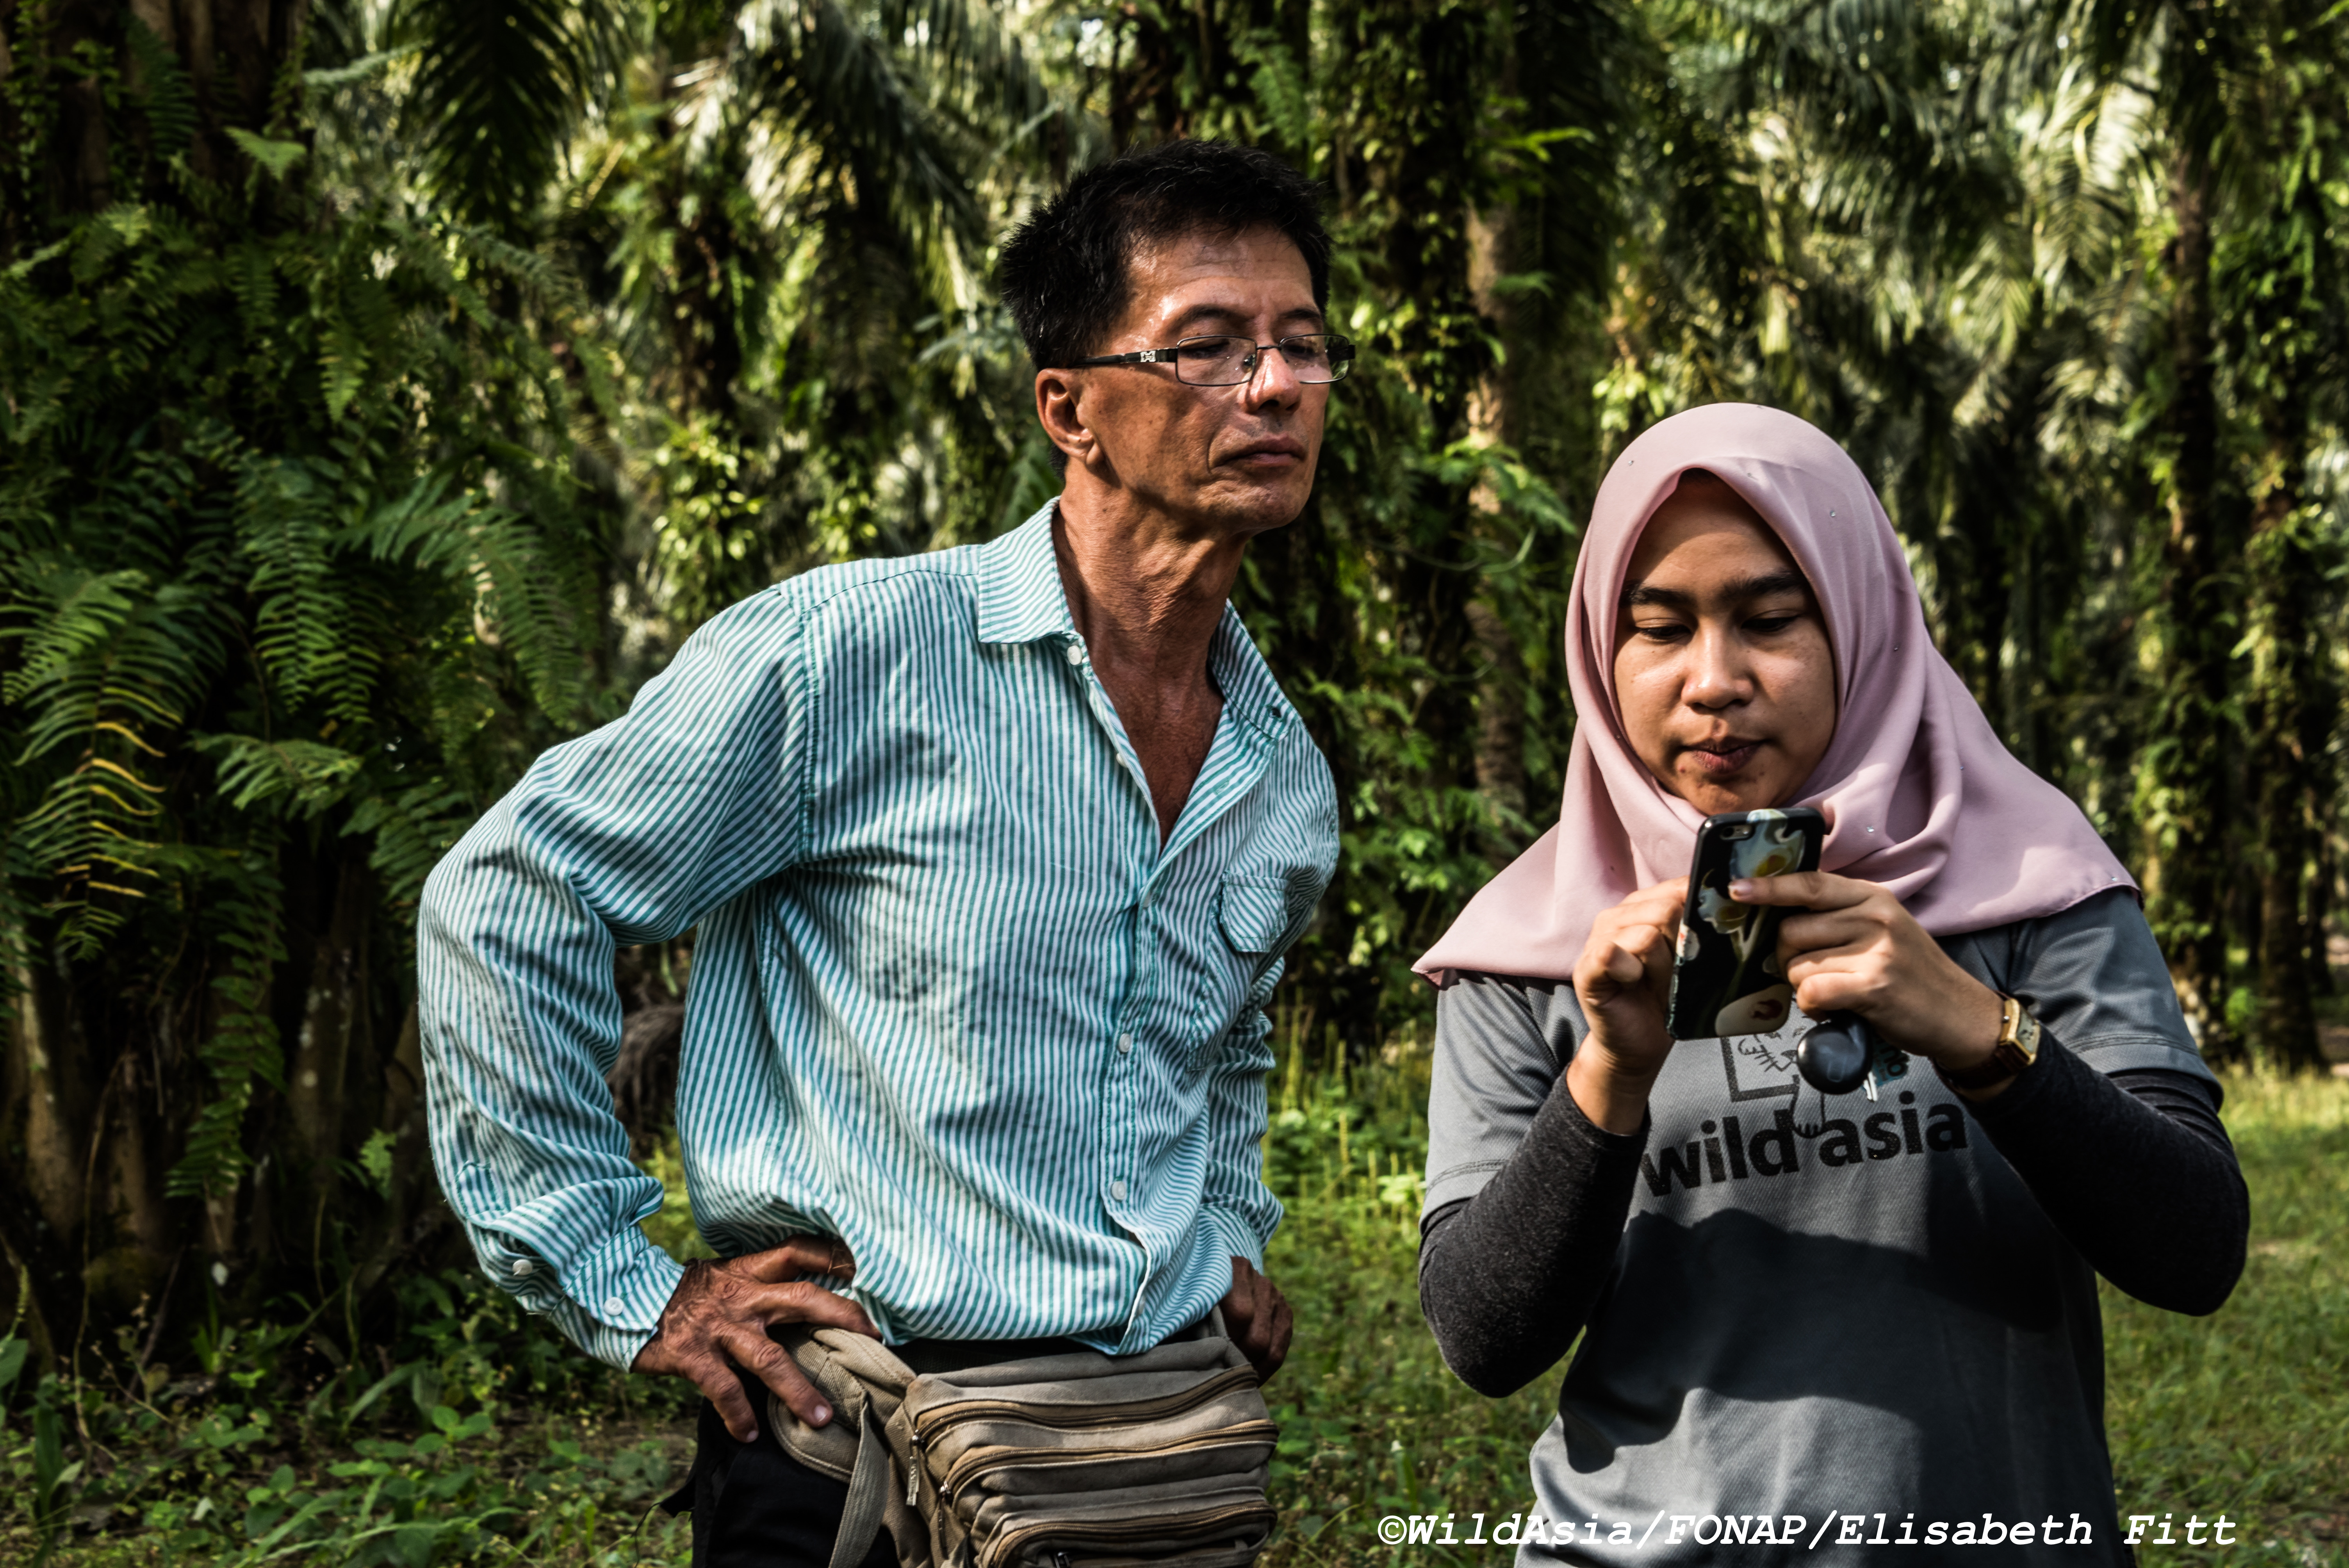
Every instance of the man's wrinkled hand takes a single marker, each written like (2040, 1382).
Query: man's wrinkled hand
(717, 1319)
(1257, 1318)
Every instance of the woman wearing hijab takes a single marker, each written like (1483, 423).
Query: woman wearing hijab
(1816, 1329)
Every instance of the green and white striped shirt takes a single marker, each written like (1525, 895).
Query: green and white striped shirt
(952, 1000)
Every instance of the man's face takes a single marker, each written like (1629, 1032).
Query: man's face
(1229, 461)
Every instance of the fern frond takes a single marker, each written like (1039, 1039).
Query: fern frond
(422, 524)
(1277, 80)
(251, 276)
(522, 594)
(242, 1050)
(84, 612)
(342, 365)
(412, 830)
(303, 627)
(164, 90)
(305, 777)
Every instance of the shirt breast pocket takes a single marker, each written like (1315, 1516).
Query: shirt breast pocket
(1253, 912)
(1251, 917)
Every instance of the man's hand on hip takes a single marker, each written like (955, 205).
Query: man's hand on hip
(717, 1319)
(1257, 1317)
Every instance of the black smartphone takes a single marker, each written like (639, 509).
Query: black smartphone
(1725, 978)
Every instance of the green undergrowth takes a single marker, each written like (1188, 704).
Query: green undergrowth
(476, 1437)
(2246, 1412)
(1373, 1424)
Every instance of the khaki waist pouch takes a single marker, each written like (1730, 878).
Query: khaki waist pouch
(1071, 1461)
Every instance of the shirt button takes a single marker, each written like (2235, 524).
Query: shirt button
(615, 1305)
(1076, 652)
(1117, 1190)
(1124, 1044)
(525, 1268)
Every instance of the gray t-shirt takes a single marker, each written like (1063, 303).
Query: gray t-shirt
(1822, 1305)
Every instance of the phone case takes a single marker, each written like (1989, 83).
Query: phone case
(1725, 978)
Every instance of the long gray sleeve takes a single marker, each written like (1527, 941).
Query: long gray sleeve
(1508, 1278)
(2135, 1170)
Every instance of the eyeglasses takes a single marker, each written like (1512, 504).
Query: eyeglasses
(1315, 358)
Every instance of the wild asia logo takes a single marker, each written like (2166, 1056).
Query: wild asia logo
(1729, 1151)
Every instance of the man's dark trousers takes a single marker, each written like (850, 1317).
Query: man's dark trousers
(754, 1506)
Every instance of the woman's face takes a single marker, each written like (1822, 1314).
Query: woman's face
(1723, 666)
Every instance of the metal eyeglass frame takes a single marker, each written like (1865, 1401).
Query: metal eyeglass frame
(1341, 356)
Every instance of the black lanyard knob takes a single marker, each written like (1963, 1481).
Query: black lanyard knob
(1836, 1053)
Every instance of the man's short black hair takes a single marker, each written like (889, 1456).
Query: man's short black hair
(1066, 275)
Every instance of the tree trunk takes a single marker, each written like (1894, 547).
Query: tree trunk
(45, 1103)
(2292, 703)
(2320, 910)
(1501, 683)
(2184, 788)
(1501, 729)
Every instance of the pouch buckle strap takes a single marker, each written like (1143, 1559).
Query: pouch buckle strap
(868, 1497)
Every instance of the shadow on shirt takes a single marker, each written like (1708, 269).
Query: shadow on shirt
(1980, 1335)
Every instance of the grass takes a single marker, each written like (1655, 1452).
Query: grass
(477, 1438)
(2247, 1411)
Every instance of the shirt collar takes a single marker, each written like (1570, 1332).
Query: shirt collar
(1022, 600)
(1250, 694)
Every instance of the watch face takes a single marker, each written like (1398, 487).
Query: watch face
(2026, 1032)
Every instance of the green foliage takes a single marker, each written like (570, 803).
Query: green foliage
(297, 578)
(427, 1462)
(242, 905)
(498, 86)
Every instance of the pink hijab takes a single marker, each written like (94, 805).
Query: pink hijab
(1918, 794)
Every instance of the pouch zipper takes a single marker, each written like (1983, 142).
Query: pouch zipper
(1008, 1542)
(927, 1424)
(973, 1465)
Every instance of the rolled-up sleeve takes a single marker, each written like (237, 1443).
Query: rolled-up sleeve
(625, 836)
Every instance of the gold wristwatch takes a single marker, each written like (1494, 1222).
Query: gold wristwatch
(2018, 1047)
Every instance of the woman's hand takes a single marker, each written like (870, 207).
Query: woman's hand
(1624, 981)
(1853, 949)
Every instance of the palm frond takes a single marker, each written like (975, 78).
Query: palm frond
(499, 85)
(837, 81)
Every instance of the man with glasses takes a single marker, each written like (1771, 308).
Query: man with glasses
(993, 854)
